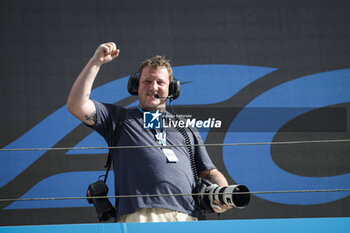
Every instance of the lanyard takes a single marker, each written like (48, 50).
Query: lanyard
(160, 135)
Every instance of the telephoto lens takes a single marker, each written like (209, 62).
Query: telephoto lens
(233, 195)
(206, 193)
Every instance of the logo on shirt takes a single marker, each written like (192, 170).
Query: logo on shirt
(151, 120)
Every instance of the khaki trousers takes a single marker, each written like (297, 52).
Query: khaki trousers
(156, 215)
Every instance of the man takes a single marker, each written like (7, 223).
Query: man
(144, 170)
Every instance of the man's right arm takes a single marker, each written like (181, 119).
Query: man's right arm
(79, 102)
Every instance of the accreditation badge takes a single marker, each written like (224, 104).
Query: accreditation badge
(170, 155)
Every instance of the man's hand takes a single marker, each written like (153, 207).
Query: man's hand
(221, 208)
(216, 177)
(105, 53)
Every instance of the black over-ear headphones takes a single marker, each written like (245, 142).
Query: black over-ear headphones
(133, 86)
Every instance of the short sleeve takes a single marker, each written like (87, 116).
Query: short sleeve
(107, 115)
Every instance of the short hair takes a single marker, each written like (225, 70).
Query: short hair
(157, 62)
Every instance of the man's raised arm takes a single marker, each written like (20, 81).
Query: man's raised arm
(79, 102)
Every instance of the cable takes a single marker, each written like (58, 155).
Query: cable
(169, 146)
(171, 195)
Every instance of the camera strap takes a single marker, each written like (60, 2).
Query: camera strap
(116, 137)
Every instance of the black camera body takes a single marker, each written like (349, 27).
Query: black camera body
(206, 192)
(103, 206)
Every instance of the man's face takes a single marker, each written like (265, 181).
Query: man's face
(152, 82)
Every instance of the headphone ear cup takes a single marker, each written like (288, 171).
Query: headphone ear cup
(174, 89)
(133, 84)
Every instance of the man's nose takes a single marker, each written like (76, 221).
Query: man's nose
(154, 86)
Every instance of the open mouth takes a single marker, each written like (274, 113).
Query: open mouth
(152, 95)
